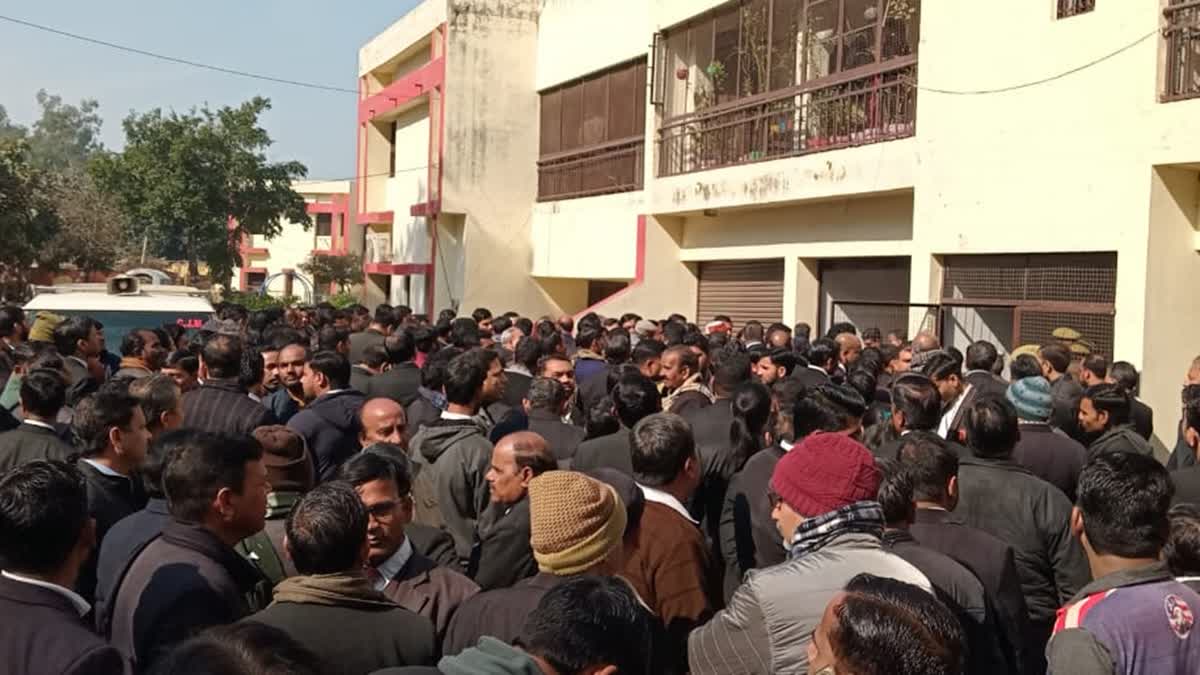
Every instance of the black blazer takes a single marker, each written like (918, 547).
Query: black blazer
(718, 463)
(1142, 417)
(810, 377)
(222, 406)
(986, 383)
(611, 451)
(563, 438)
(43, 633)
(749, 537)
(110, 498)
(1187, 485)
(29, 442)
(502, 555)
(400, 384)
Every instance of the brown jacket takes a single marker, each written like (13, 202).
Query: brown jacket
(434, 592)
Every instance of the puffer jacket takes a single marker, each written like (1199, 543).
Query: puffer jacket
(330, 426)
(456, 454)
(770, 619)
(1121, 438)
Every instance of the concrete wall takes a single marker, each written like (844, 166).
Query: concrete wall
(391, 46)
(576, 38)
(668, 284)
(589, 238)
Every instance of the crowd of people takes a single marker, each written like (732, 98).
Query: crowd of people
(320, 491)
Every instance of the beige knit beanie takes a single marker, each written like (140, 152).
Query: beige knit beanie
(574, 521)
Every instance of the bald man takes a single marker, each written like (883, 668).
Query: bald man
(383, 421)
(502, 555)
(849, 349)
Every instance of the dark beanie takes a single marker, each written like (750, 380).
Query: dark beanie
(289, 468)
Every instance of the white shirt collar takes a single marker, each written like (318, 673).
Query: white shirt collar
(518, 368)
(787, 447)
(254, 397)
(104, 469)
(948, 416)
(77, 600)
(392, 566)
(819, 369)
(447, 415)
(39, 423)
(667, 500)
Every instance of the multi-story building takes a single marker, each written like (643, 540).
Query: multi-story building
(275, 263)
(982, 173)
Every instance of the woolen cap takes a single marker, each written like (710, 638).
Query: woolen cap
(1032, 398)
(574, 521)
(43, 327)
(289, 468)
(824, 473)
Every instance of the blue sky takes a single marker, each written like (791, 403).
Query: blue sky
(293, 39)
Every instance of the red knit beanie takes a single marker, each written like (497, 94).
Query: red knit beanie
(824, 473)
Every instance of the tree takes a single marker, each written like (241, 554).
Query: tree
(194, 184)
(27, 215)
(92, 232)
(9, 130)
(343, 270)
(66, 136)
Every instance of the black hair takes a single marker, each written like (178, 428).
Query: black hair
(863, 382)
(782, 357)
(43, 510)
(10, 316)
(889, 627)
(918, 399)
(895, 492)
(446, 315)
(134, 341)
(870, 360)
(1124, 374)
(821, 350)
(930, 465)
(326, 529)
(941, 364)
(98, 414)
(330, 336)
(887, 354)
(156, 459)
(1182, 551)
(68, 333)
(1097, 365)
(400, 346)
(813, 412)
(222, 356)
(481, 314)
(1025, 365)
(546, 394)
(375, 356)
(1123, 498)
(525, 324)
(991, 424)
(1058, 356)
(550, 343)
(752, 331)
(243, 648)
(673, 332)
(1191, 414)
(386, 316)
(587, 337)
(1112, 399)
(464, 333)
(197, 470)
(156, 394)
(732, 373)
(465, 375)
(590, 621)
(601, 418)
(648, 349)
(370, 466)
(251, 372)
(334, 366)
(617, 346)
(660, 446)
(849, 403)
(840, 328)
(527, 352)
(635, 397)
(751, 404)
(433, 373)
(981, 355)
(43, 393)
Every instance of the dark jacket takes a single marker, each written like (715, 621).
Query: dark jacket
(749, 538)
(587, 367)
(222, 406)
(718, 463)
(611, 451)
(810, 377)
(986, 383)
(1004, 499)
(1066, 394)
(419, 413)
(265, 550)
(1051, 455)
(563, 439)
(1142, 418)
(456, 454)
(123, 543)
(181, 583)
(30, 442)
(1187, 485)
(1121, 438)
(360, 378)
(43, 633)
(354, 636)
(434, 592)
(594, 387)
(282, 405)
(992, 562)
(962, 592)
(433, 543)
(500, 613)
(503, 555)
(516, 386)
(330, 425)
(400, 384)
(686, 402)
(969, 397)
(360, 341)
(110, 498)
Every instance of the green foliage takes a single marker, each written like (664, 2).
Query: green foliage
(27, 215)
(184, 179)
(92, 232)
(255, 301)
(343, 300)
(66, 136)
(343, 270)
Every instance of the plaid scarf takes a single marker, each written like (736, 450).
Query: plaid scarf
(816, 533)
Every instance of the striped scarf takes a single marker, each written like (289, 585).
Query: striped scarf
(815, 533)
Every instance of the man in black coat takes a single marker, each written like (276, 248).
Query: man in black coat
(545, 404)
(980, 361)
(371, 366)
(634, 397)
(1187, 479)
(401, 382)
(221, 405)
(191, 578)
(329, 423)
(518, 372)
(45, 537)
(332, 608)
(1140, 415)
(823, 357)
(1055, 359)
(43, 393)
(377, 332)
(1049, 453)
(933, 468)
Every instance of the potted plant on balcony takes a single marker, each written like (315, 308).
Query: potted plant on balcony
(704, 146)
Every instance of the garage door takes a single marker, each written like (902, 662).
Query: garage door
(744, 289)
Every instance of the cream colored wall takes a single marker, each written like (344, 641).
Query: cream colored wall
(410, 235)
(589, 238)
(418, 23)
(576, 38)
(669, 284)
(1171, 301)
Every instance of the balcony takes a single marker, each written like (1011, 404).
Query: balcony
(599, 170)
(827, 115)
(1069, 8)
(1182, 35)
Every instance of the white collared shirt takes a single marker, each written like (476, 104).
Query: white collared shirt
(819, 369)
(948, 416)
(392, 566)
(787, 447)
(77, 600)
(447, 415)
(39, 423)
(519, 369)
(104, 469)
(667, 500)
(254, 397)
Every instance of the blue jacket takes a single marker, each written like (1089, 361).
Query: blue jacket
(330, 425)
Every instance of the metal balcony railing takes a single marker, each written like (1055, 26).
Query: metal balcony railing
(597, 170)
(1182, 35)
(838, 112)
(1068, 8)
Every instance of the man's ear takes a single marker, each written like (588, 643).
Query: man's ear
(1103, 415)
(952, 489)
(223, 504)
(1192, 438)
(1077, 524)
(114, 436)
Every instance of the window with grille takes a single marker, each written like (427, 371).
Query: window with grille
(1069, 8)
(324, 224)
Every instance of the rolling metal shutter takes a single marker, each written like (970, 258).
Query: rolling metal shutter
(744, 289)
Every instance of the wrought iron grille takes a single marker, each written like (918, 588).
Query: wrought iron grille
(1182, 35)
(1068, 8)
(1079, 278)
(612, 167)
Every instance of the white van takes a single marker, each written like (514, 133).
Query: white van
(123, 304)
